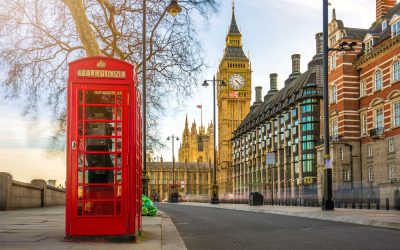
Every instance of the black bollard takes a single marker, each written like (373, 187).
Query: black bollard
(353, 204)
(378, 203)
(369, 204)
(387, 203)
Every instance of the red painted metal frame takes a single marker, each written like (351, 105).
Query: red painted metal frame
(128, 223)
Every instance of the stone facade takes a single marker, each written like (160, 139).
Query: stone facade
(192, 180)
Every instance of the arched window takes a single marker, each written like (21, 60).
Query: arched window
(378, 80)
(396, 71)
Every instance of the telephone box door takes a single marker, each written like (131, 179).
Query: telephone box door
(99, 155)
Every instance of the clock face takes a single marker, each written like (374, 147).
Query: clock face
(236, 81)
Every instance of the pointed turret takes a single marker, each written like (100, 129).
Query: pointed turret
(186, 130)
(233, 29)
(233, 39)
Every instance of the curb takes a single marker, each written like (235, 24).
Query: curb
(170, 237)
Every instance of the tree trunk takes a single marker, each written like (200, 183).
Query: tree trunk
(86, 34)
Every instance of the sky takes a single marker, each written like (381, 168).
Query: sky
(271, 31)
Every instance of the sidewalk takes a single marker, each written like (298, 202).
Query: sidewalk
(43, 228)
(377, 218)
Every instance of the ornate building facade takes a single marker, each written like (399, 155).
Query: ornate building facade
(197, 144)
(365, 108)
(285, 125)
(192, 180)
(233, 101)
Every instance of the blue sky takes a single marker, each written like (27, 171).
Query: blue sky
(272, 31)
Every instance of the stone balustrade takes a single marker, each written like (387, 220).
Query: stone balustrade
(19, 195)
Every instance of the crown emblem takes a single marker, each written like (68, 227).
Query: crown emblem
(101, 64)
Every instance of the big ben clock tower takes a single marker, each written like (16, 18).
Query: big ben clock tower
(233, 101)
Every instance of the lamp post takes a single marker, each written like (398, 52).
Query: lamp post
(173, 196)
(173, 8)
(214, 187)
(327, 202)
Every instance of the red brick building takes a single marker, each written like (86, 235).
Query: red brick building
(364, 89)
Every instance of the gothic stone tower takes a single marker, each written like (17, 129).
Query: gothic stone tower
(233, 101)
(197, 144)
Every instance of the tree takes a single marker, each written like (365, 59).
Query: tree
(39, 37)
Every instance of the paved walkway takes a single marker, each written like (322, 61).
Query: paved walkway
(43, 228)
(378, 218)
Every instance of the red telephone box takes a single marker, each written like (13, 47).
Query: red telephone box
(104, 158)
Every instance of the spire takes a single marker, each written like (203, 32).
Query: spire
(186, 123)
(233, 29)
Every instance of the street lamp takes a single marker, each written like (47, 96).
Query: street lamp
(214, 187)
(173, 195)
(327, 202)
(173, 8)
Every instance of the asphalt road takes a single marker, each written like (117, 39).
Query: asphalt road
(211, 228)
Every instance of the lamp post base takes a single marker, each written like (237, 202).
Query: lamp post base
(214, 194)
(173, 197)
(145, 182)
(328, 205)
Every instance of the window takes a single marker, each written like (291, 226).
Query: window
(363, 89)
(378, 80)
(333, 61)
(341, 153)
(396, 71)
(396, 114)
(363, 124)
(333, 94)
(391, 146)
(370, 174)
(392, 172)
(369, 151)
(334, 126)
(384, 24)
(396, 29)
(346, 175)
(379, 118)
(369, 46)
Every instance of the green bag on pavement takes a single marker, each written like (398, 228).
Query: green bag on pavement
(148, 208)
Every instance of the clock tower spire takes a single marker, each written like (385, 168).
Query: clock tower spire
(233, 100)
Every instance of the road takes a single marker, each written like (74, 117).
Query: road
(210, 228)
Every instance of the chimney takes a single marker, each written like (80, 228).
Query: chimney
(296, 63)
(274, 82)
(383, 6)
(319, 38)
(258, 93)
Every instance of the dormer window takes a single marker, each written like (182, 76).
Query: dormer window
(384, 24)
(396, 29)
(369, 46)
